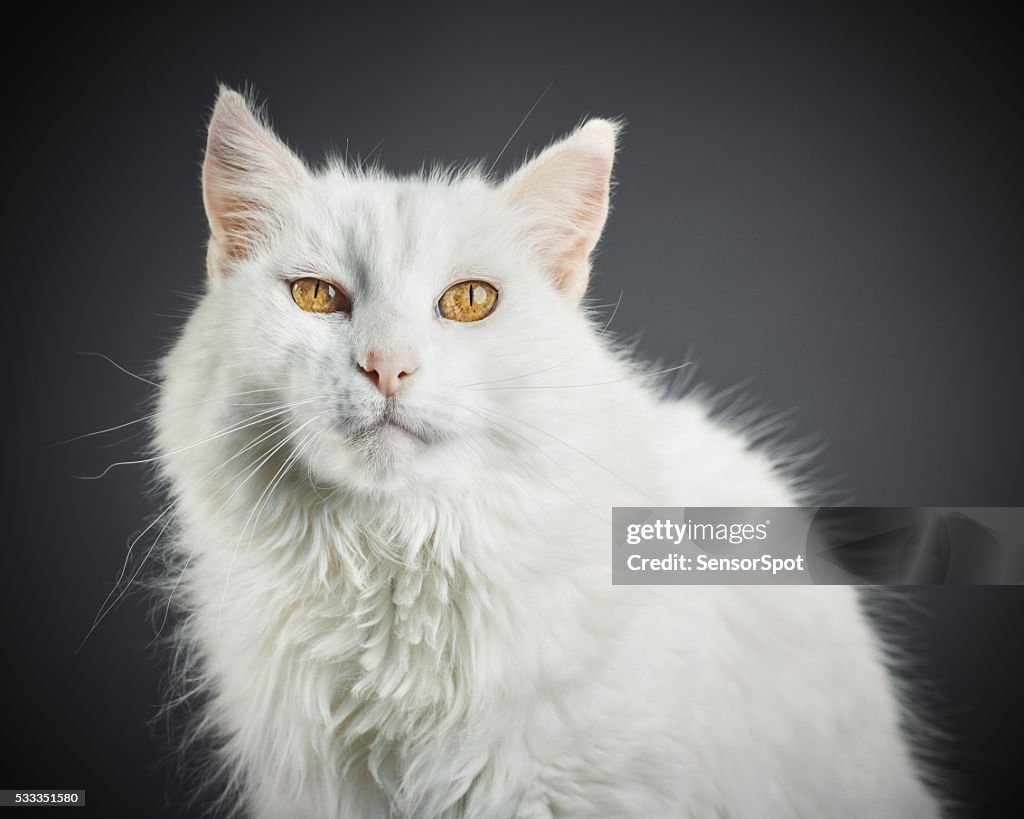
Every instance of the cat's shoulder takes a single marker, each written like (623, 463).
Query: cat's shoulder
(719, 460)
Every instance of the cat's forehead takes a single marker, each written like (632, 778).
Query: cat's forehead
(378, 228)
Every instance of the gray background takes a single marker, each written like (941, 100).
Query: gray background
(824, 201)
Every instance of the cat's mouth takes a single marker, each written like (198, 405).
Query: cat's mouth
(385, 428)
(390, 426)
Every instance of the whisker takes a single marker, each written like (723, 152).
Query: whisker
(547, 455)
(578, 451)
(595, 384)
(104, 608)
(126, 371)
(571, 358)
(119, 442)
(309, 468)
(519, 127)
(161, 387)
(261, 503)
(155, 413)
(253, 468)
(234, 428)
(556, 523)
(373, 150)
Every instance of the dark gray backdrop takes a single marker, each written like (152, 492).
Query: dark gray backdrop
(825, 201)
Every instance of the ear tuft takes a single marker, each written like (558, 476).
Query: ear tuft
(565, 193)
(245, 171)
(600, 136)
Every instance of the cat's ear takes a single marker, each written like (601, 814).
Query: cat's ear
(246, 169)
(564, 193)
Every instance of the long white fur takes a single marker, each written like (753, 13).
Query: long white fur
(383, 626)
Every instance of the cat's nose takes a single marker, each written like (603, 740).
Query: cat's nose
(388, 372)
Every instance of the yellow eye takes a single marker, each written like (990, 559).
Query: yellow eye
(317, 296)
(468, 301)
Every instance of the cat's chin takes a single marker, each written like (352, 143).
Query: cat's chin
(382, 457)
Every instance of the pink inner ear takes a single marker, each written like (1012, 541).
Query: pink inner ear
(231, 217)
(245, 166)
(572, 271)
(568, 272)
(568, 186)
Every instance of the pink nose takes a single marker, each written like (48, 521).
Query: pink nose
(388, 372)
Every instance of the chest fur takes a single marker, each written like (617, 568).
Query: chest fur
(362, 654)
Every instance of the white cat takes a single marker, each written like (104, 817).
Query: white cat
(393, 438)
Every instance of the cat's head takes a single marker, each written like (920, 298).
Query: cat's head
(401, 318)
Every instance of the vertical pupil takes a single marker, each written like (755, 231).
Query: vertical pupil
(472, 290)
(316, 290)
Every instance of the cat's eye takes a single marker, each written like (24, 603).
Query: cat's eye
(318, 296)
(468, 301)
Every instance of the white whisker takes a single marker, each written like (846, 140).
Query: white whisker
(154, 414)
(595, 384)
(576, 450)
(519, 127)
(253, 468)
(259, 417)
(557, 465)
(571, 358)
(106, 606)
(106, 609)
(126, 371)
(262, 500)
